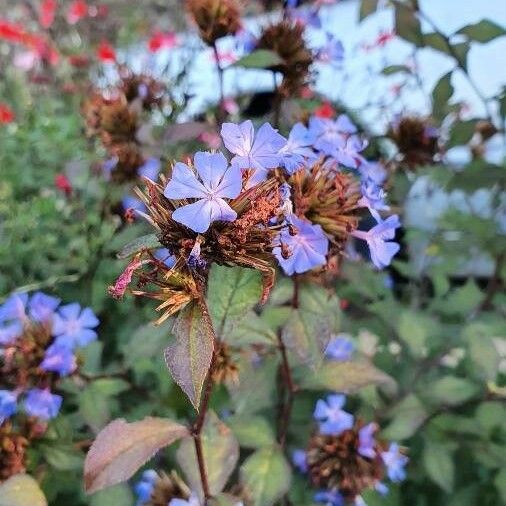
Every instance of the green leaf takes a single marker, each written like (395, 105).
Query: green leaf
(500, 484)
(63, 458)
(462, 300)
(21, 490)
(408, 416)
(394, 69)
(259, 59)
(122, 448)
(451, 391)
(461, 132)
(461, 50)
(367, 7)
(232, 292)
(252, 431)
(441, 94)
(266, 476)
(407, 25)
(347, 377)
(415, 329)
(148, 241)
(221, 453)
(189, 357)
(436, 41)
(252, 329)
(483, 31)
(113, 496)
(438, 463)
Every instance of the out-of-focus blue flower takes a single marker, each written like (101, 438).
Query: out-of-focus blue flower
(73, 327)
(129, 202)
(366, 445)
(8, 405)
(340, 348)
(332, 51)
(150, 169)
(217, 181)
(109, 165)
(165, 256)
(347, 151)
(331, 134)
(381, 488)
(305, 16)
(10, 331)
(192, 501)
(329, 498)
(297, 151)
(373, 197)
(373, 171)
(395, 463)
(14, 308)
(59, 358)
(42, 403)
(378, 239)
(194, 259)
(42, 307)
(308, 247)
(299, 460)
(258, 152)
(245, 41)
(144, 488)
(333, 420)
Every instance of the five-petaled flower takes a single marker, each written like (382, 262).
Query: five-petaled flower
(59, 358)
(301, 246)
(330, 134)
(42, 307)
(42, 403)
(333, 420)
(258, 152)
(395, 462)
(297, 151)
(216, 181)
(73, 327)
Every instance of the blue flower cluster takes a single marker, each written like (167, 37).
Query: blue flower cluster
(69, 327)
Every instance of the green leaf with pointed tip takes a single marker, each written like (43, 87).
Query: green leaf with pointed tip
(461, 132)
(394, 69)
(232, 292)
(148, 241)
(259, 59)
(189, 357)
(407, 25)
(436, 41)
(221, 453)
(451, 391)
(483, 31)
(21, 490)
(266, 476)
(441, 94)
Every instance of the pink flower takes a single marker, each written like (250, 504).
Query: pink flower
(47, 12)
(106, 53)
(62, 183)
(78, 9)
(161, 40)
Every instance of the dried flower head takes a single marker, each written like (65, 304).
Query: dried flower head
(141, 87)
(215, 18)
(225, 368)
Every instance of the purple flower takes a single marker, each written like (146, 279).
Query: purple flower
(192, 501)
(73, 327)
(329, 498)
(150, 169)
(339, 348)
(259, 152)
(14, 308)
(42, 403)
(8, 405)
(217, 181)
(333, 420)
(330, 134)
(299, 460)
(59, 358)
(307, 248)
(42, 306)
(382, 250)
(366, 445)
(9, 332)
(332, 51)
(373, 197)
(165, 256)
(395, 462)
(297, 151)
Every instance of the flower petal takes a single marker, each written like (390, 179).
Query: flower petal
(238, 139)
(184, 184)
(199, 215)
(211, 168)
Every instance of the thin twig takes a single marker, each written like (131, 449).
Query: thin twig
(221, 114)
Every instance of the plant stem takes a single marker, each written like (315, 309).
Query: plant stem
(220, 115)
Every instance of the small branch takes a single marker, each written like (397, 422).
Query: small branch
(220, 116)
(288, 390)
(296, 289)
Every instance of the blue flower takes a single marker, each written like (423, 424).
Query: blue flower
(330, 134)
(305, 16)
(297, 152)
(192, 501)
(366, 445)
(382, 250)
(14, 308)
(333, 420)
(329, 498)
(165, 256)
(245, 41)
(346, 152)
(150, 169)
(9, 332)
(217, 181)
(144, 488)
(59, 358)
(373, 171)
(109, 165)
(332, 51)
(129, 202)
(395, 462)
(72, 326)
(373, 197)
(339, 348)
(8, 405)
(259, 153)
(307, 247)
(42, 307)
(42, 403)
(299, 460)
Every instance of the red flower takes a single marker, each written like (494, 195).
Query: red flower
(161, 40)
(6, 114)
(47, 12)
(344, 304)
(325, 110)
(78, 9)
(11, 32)
(106, 52)
(63, 184)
